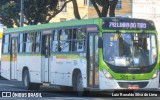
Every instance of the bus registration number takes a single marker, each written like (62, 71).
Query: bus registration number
(134, 87)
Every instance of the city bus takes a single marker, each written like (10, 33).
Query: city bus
(90, 54)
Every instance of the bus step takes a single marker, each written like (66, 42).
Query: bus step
(46, 84)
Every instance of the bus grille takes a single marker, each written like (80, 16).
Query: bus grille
(127, 84)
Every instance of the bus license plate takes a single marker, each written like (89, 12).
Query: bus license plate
(134, 87)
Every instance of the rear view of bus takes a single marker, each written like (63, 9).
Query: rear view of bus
(129, 54)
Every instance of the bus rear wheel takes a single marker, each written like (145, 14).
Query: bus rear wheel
(27, 84)
(78, 87)
(26, 80)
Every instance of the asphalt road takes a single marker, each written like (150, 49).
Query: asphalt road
(49, 93)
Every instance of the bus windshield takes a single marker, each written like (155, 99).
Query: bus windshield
(129, 49)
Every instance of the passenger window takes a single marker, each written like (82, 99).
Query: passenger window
(6, 44)
(69, 40)
(21, 43)
(55, 41)
(65, 41)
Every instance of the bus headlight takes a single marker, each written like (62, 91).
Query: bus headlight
(107, 74)
(155, 74)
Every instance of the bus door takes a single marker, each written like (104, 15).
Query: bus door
(13, 59)
(93, 70)
(46, 43)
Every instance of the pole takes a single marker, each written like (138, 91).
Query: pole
(22, 13)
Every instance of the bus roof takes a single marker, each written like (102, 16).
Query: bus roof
(53, 25)
(73, 23)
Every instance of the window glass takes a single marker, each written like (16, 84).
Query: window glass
(37, 47)
(81, 34)
(28, 47)
(69, 40)
(21, 47)
(38, 36)
(65, 46)
(21, 37)
(5, 48)
(6, 39)
(65, 43)
(5, 43)
(37, 42)
(55, 41)
(21, 43)
(32, 36)
(31, 42)
(28, 37)
(119, 5)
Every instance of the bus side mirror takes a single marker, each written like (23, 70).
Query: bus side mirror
(100, 42)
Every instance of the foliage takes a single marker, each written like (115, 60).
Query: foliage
(35, 11)
(9, 12)
(42, 11)
(106, 5)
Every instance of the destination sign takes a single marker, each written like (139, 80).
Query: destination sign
(127, 24)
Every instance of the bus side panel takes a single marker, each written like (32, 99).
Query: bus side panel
(5, 66)
(62, 70)
(83, 67)
(53, 71)
(33, 63)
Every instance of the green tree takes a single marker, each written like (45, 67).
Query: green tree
(8, 12)
(35, 11)
(106, 5)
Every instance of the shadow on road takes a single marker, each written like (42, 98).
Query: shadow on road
(2, 78)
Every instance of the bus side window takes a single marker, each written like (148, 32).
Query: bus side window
(55, 46)
(69, 40)
(20, 43)
(6, 44)
(65, 40)
(81, 36)
(25, 41)
(28, 43)
(32, 41)
(37, 42)
(78, 43)
(74, 41)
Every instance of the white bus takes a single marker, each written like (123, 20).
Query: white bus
(81, 54)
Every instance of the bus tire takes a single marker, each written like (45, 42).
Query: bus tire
(26, 80)
(78, 87)
(66, 88)
(27, 84)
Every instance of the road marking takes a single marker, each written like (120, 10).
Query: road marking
(6, 85)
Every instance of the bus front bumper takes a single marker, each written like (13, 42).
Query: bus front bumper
(112, 84)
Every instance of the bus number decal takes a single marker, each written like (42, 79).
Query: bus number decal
(124, 77)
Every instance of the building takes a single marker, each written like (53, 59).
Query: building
(87, 10)
(147, 9)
